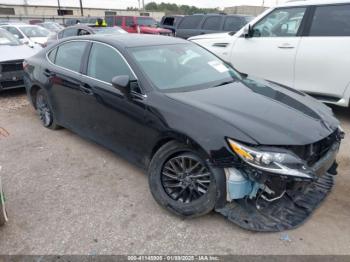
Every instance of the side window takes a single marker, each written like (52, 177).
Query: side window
(233, 23)
(105, 63)
(52, 55)
(69, 55)
(212, 23)
(282, 22)
(190, 22)
(70, 32)
(332, 20)
(15, 31)
(169, 21)
(83, 32)
(119, 21)
(129, 21)
(109, 20)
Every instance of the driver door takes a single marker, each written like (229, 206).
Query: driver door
(270, 51)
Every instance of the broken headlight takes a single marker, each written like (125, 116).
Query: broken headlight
(283, 163)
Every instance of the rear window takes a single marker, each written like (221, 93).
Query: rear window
(169, 21)
(212, 23)
(190, 22)
(69, 55)
(333, 20)
(70, 32)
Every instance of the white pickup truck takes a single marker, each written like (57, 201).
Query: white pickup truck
(301, 44)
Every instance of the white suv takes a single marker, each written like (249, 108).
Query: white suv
(300, 44)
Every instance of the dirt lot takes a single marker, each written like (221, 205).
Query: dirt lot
(66, 195)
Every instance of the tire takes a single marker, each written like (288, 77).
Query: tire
(192, 202)
(3, 214)
(44, 110)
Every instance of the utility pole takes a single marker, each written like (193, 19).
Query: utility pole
(59, 7)
(143, 5)
(81, 8)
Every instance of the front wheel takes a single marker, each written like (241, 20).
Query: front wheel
(181, 181)
(3, 214)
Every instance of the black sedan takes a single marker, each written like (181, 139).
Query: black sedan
(261, 154)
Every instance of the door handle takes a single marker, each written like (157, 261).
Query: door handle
(86, 89)
(49, 73)
(285, 46)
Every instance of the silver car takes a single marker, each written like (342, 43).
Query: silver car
(12, 54)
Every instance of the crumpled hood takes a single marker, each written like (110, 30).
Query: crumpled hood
(153, 30)
(268, 113)
(18, 52)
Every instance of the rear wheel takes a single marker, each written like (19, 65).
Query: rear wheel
(44, 110)
(181, 181)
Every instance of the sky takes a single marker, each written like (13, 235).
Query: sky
(122, 4)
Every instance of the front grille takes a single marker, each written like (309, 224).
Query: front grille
(314, 152)
(11, 66)
(8, 84)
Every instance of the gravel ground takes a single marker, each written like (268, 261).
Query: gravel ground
(66, 195)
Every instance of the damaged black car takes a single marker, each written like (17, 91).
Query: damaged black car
(261, 154)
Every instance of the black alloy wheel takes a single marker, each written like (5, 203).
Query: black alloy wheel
(181, 181)
(44, 110)
(185, 178)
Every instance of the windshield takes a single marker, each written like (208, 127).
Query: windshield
(52, 26)
(108, 30)
(34, 31)
(182, 67)
(145, 21)
(8, 39)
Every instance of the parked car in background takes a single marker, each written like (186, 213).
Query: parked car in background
(199, 24)
(35, 21)
(259, 153)
(170, 22)
(83, 20)
(29, 34)
(302, 45)
(137, 24)
(80, 30)
(12, 54)
(51, 26)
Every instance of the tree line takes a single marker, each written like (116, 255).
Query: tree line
(177, 9)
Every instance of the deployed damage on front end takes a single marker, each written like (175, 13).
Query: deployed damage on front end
(278, 188)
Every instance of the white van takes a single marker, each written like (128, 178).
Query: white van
(301, 44)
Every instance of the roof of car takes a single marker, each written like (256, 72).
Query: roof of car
(134, 40)
(314, 2)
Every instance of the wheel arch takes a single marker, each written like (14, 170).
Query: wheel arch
(179, 137)
(32, 93)
(218, 172)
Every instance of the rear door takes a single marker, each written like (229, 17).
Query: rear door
(322, 62)
(189, 26)
(64, 79)
(212, 24)
(270, 52)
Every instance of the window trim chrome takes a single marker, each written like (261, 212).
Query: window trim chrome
(143, 95)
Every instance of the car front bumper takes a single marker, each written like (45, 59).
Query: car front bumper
(290, 210)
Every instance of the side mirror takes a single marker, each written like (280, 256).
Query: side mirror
(122, 83)
(247, 31)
